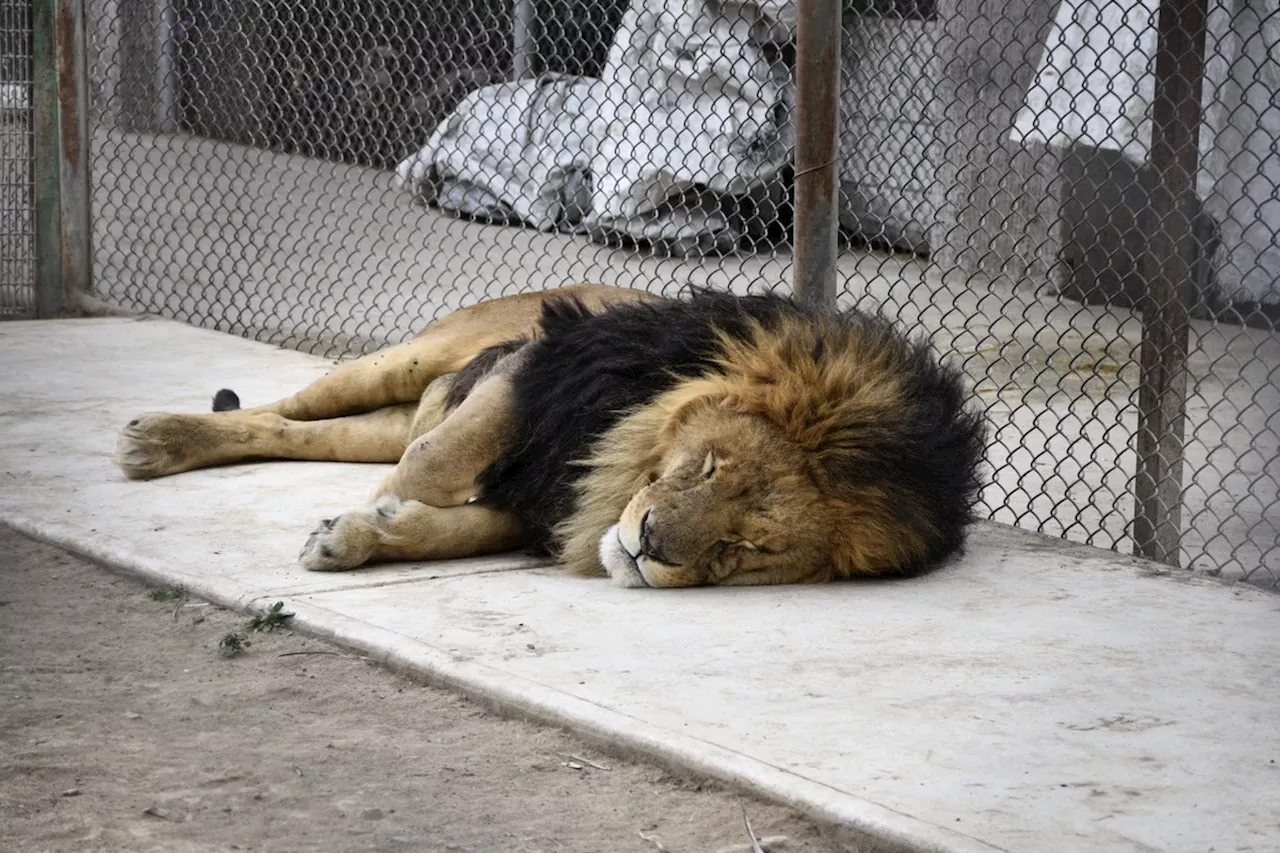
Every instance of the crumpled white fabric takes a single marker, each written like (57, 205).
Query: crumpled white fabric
(509, 150)
(1095, 85)
(688, 110)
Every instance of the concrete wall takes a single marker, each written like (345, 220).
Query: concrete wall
(1107, 215)
(928, 166)
(996, 200)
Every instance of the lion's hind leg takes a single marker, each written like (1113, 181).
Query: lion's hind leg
(374, 387)
(424, 509)
(401, 373)
(393, 376)
(360, 412)
(361, 401)
(160, 444)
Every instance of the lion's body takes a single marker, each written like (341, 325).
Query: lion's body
(716, 439)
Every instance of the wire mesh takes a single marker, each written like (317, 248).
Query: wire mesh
(330, 176)
(17, 241)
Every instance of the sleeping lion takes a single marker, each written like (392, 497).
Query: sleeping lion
(712, 439)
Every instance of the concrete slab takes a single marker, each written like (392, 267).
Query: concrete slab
(1035, 695)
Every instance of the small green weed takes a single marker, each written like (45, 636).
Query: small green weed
(273, 618)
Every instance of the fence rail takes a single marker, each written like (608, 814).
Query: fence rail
(1075, 200)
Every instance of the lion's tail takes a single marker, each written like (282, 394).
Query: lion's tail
(226, 400)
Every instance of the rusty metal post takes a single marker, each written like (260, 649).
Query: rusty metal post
(60, 160)
(47, 213)
(73, 123)
(814, 235)
(1162, 390)
(166, 64)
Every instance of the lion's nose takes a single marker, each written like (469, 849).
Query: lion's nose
(648, 547)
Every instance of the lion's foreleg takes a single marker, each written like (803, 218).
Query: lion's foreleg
(392, 530)
(431, 410)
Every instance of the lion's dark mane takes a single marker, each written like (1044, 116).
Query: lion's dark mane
(585, 371)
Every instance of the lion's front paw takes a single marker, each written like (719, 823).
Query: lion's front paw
(339, 543)
(153, 445)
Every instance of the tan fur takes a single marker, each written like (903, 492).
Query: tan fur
(439, 467)
(391, 529)
(385, 407)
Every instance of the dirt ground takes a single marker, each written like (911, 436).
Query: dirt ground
(124, 728)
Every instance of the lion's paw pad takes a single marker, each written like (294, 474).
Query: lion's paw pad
(149, 446)
(334, 545)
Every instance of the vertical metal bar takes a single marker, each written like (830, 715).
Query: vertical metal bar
(46, 169)
(524, 44)
(60, 161)
(818, 29)
(166, 48)
(1175, 136)
(73, 123)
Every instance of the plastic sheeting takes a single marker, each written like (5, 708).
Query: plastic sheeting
(690, 110)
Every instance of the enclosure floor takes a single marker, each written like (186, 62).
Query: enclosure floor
(1032, 696)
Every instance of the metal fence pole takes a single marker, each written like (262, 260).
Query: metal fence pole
(818, 29)
(166, 63)
(524, 43)
(73, 122)
(1162, 391)
(46, 174)
(61, 157)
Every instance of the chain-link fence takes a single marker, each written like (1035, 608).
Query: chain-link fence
(17, 247)
(1041, 186)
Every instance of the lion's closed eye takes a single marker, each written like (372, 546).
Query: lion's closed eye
(744, 544)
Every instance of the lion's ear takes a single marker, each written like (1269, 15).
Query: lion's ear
(685, 402)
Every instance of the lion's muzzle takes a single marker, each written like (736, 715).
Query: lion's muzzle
(620, 560)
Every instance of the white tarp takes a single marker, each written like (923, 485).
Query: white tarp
(1095, 84)
(689, 109)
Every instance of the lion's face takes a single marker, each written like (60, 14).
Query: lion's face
(730, 502)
